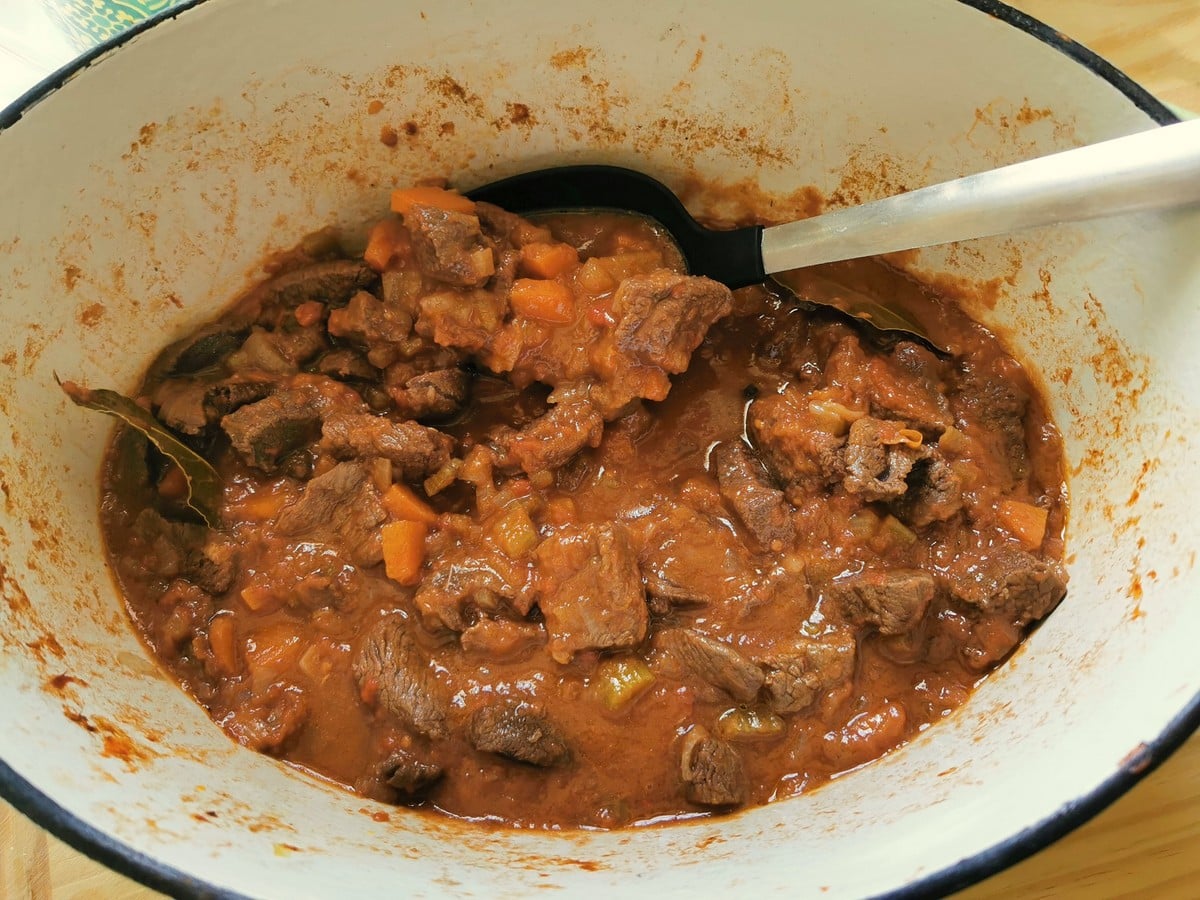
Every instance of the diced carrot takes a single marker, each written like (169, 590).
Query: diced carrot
(309, 313)
(388, 239)
(1024, 521)
(548, 260)
(402, 503)
(560, 511)
(220, 642)
(368, 692)
(404, 199)
(263, 505)
(549, 301)
(600, 313)
(174, 484)
(404, 550)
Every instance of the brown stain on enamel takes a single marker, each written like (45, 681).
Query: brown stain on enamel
(90, 315)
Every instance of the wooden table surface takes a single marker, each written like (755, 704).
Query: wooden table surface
(1146, 845)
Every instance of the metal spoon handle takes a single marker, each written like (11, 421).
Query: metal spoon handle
(1149, 170)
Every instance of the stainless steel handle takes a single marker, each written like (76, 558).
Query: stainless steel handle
(1148, 170)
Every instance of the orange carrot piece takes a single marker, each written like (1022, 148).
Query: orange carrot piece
(548, 260)
(388, 239)
(402, 503)
(309, 313)
(263, 505)
(404, 199)
(549, 301)
(404, 550)
(561, 511)
(220, 642)
(1024, 521)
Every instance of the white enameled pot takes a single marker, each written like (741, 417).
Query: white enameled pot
(141, 189)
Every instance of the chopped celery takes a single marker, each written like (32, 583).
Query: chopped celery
(744, 724)
(442, 478)
(514, 532)
(620, 681)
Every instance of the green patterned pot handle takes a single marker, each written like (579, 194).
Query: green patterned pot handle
(87, 23)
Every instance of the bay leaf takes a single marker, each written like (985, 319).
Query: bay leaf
(204, 487)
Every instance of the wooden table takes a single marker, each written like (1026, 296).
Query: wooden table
(1147, 844)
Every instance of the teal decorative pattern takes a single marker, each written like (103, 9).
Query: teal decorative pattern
(90, 22)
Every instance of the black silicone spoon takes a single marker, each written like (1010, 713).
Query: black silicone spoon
(1149, 170)
(733, 257)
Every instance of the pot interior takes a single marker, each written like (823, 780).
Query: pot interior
(145, 192)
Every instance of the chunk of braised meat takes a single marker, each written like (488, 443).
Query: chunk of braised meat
(432, 395)
(400, 290)
(367, 320)
(190, 405)
(713, 661)
(505, 227)
(990, 396)
(910, 384)
(341, 507)
(689, 558)
(416, 450)
(893, 600)
(449, 246)
(590, 590)
(552, 439)
(333, 282)
(935, 492)
(347, 365)
(1006, 580)
(275, 352)
(401, 778)
(466, 575)
(879, 455)
(299, 344)
(760, 506)
(518, 731)
(393, 674)
(803, 456)
(502, 639)
(712, 770)
(206, 558)
(269, 719)
(465, 320)
(661, 319)
(801, 672)
(267, 431)
(195, 353)
(312, 576)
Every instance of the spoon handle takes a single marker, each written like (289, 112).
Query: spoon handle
(1149, 170)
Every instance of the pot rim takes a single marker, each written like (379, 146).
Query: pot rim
(1143, 760)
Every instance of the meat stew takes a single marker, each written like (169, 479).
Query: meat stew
(523, 524)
